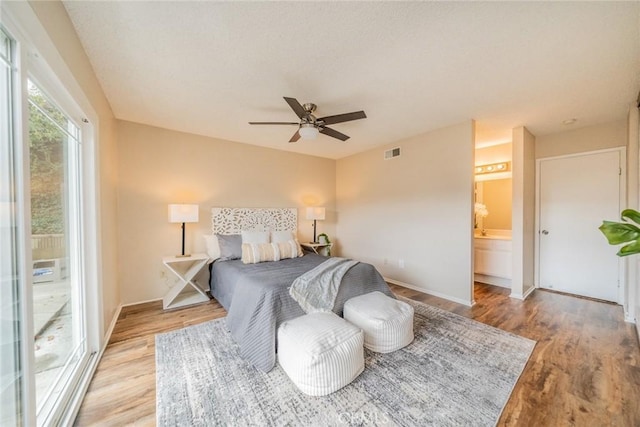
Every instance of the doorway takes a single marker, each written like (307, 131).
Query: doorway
(493, 187)
(574, 194)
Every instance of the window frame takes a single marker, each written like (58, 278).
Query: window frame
(10, 218)
(38, 58)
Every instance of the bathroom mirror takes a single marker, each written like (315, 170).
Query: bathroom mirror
(496, 196)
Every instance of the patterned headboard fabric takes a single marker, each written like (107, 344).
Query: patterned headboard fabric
(235, 220)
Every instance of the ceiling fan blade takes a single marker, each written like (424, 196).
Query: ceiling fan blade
(295, 106)
(347, 117)
(295, 137)
(274, 123)
(334, 133)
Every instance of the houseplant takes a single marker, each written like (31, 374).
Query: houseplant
(618, 233)
(324, 239)
(479, 211)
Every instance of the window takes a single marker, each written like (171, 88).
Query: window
(49, 316)
(56, 239)
(10, 343)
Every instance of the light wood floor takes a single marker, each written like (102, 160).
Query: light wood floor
(584, 371)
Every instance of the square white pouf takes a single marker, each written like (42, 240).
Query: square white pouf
(387, 323)
(320, 352)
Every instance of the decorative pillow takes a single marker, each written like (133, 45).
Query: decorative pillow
(253, 253)
(282, 236)
(213, 247)
(255, 237)
(230, 246)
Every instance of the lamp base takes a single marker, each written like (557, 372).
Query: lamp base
(183, 255)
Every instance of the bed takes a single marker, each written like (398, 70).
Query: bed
(256, 296)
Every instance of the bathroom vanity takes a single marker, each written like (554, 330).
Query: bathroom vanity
(493, 259)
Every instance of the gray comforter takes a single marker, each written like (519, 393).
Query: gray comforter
(256, 297)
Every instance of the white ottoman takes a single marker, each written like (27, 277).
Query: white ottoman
(320, 352)
(387, 323)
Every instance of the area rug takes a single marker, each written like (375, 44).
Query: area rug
(457, 372)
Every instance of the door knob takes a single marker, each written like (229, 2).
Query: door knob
(545, 232)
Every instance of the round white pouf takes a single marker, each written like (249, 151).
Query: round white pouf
(387, 323)
(320, 352)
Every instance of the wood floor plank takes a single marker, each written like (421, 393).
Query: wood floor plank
(584, 370)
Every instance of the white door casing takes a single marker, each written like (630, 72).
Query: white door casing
(574, 194)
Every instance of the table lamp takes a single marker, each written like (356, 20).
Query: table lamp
(183, 214)
(315, 213)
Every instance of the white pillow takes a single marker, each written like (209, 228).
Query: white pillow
(253, 253)
(213, 247)
(255, 237)
(282, 236)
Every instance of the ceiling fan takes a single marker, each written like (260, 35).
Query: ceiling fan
(309, 125)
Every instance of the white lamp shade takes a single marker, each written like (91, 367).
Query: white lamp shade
(308, 131)
(315, 213)
(183, 213)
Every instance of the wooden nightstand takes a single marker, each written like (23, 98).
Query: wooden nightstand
(186, 291)
(319, 248)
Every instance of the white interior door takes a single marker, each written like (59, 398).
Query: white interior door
(575, 194)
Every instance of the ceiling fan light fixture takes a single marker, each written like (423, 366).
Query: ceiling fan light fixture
(310, 126)
(308, 131)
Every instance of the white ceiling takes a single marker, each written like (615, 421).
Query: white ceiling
(210, 67)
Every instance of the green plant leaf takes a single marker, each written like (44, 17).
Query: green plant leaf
(631, 214)
(630, 249)
(619, 232)
(325, 235)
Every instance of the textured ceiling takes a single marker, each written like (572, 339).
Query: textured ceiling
(210, 67)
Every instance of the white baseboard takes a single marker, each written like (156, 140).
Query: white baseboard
(523, 296)
(107, 335)
(429, 292)
(529, 292)
(141, 302)
(492, 280)
(628, 318)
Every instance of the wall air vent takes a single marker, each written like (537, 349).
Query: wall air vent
(390, 154)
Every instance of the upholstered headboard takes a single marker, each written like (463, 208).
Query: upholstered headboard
(235, 220)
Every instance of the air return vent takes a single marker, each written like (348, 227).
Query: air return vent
(390, 154)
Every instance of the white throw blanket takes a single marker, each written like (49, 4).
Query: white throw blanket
(316, 290)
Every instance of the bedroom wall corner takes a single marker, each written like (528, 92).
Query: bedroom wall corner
(160, 166)
(412, 216)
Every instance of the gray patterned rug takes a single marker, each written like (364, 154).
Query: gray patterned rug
(457, 372)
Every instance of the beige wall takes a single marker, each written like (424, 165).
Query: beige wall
(590, 138)
(158, 167)
(493, 154)
(417, 207)
(523, 212)
(56, 22)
